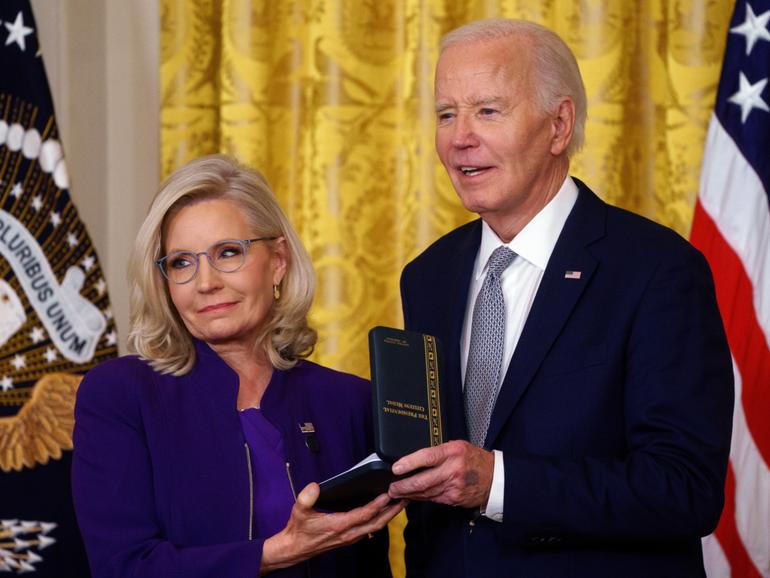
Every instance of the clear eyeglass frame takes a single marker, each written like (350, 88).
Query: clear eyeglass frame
(214, 253)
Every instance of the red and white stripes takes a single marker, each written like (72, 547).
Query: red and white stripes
(732, 228)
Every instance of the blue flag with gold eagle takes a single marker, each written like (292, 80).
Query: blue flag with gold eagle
(55, 319)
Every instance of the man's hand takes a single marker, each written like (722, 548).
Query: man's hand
(457, 474)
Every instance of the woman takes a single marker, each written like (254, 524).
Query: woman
(187, 455)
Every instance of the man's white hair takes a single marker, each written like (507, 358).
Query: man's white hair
(556, 70)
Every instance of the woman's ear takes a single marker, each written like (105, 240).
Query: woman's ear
(280, 259)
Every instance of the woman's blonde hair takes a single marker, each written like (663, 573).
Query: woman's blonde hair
(157, 332)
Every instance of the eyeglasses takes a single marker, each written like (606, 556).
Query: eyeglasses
(227, 256)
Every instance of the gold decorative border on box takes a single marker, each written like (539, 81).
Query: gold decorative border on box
(433, 386)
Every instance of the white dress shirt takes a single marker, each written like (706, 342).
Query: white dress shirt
(520, 281)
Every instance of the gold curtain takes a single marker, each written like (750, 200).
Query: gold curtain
(332, 101)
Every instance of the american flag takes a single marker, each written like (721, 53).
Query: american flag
(732, 228)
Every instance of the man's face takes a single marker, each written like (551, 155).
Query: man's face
(491, 135)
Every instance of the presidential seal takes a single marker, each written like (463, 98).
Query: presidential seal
(55, 319)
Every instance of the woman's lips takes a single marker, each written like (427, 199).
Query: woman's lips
(217, 307)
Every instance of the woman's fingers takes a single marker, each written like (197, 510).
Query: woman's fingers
(373, 520)
(368, 511)
(385, 512)
(309, 532)
(384, 516)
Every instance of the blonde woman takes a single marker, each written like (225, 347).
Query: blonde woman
(189, 455)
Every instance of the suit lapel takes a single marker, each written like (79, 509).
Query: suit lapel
(556, 297)
(458, 285)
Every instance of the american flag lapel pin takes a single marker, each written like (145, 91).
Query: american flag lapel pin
(311, 441)
(307, 427)
(572, 274)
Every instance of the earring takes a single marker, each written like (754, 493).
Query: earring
(276, 292)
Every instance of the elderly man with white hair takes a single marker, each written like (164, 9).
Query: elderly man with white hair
(589, 383)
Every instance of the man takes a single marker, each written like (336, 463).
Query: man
(586, 359)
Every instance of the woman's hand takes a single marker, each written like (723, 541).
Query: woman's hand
(309, 532)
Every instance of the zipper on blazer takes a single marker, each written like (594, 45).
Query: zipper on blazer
(251, 490)
(291, 481)
(307, 563)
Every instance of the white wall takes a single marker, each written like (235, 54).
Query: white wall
(103, 64)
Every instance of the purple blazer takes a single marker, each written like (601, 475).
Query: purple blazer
(161, 477)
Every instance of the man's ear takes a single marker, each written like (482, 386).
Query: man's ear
(563, 124)
(280, 259)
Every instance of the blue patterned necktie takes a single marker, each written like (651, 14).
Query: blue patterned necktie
(485, 356)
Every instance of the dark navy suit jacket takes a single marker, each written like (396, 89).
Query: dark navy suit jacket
(160, 473)
(614, 417)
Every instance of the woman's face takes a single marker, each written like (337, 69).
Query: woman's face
(223, 309)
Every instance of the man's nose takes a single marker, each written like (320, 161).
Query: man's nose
(464, 134)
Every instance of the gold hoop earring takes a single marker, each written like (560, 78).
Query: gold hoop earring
(276, 292)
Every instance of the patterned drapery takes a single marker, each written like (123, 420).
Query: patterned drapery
(332, 100)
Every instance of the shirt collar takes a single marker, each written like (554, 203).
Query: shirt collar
(535, 242)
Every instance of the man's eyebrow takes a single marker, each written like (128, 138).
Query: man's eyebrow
(483, 100)
(474, 102)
